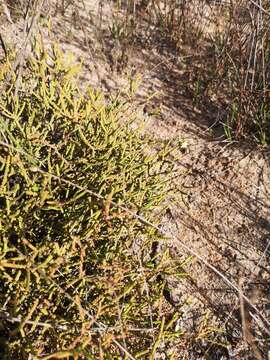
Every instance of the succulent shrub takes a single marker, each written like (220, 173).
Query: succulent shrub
(79, 277)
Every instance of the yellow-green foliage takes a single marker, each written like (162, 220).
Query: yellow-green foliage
(77, 277)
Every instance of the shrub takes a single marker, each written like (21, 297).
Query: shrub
(79, 277)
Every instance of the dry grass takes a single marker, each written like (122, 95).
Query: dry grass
(227, 44)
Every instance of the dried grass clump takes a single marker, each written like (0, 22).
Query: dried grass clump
(79, 278)
(229, 59)
(226, 47)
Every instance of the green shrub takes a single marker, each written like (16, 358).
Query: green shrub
(79, 277)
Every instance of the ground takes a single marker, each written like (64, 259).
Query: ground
(225, 216)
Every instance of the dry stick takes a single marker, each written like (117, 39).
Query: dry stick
(263, 65)
(7, 12)
(8, 16)
(147, 291)
(2, 42)
(188, 249)
(249, 59)
(259, 6)
(246, 324)
(258, 33)
(255, 51)
(262, 256)
(8, 317)
(11, 319)
(27, 35)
